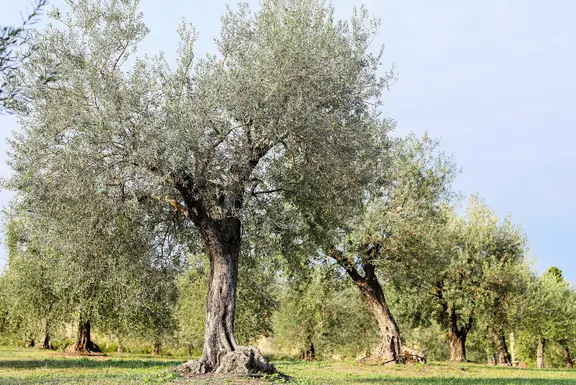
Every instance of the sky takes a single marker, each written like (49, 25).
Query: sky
(494, 80)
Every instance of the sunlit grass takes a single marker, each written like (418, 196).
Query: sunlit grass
(33, 366)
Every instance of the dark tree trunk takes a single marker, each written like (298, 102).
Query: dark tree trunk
(389, 350)
(540, 353)
(46, 342)
(84, 343)
(503, 355)
(567, 357)
(157, 348)
(309, 353)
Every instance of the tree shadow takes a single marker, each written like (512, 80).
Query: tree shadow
(71, 363)
(462, 381)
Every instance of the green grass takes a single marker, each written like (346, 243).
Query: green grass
(33, 366)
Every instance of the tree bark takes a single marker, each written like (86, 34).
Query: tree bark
(46, 339)
(540, 353)
(567, 357)
(455, 336)
(503, 355)
(513, 348)
(389, 350)
(457, 343)
(223, 250)
(84, 343)
(46, 342)
(221, 353)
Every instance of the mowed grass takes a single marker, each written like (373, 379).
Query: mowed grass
(33, 366)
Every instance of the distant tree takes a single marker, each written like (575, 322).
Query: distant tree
(12, 42)
(321, 315)
(548, 315)
(34, 305)
(470, 254)
(287, 107)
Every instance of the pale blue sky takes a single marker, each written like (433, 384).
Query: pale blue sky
(493, 79)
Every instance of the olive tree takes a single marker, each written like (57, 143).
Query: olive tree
(477, 251)
(286, 106)
(389, 239)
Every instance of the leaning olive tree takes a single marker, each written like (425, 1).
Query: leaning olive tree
(286, 106)
(389, 239)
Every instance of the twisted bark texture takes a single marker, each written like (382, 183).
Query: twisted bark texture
(221, 353)
(84, 343)
(389, 350)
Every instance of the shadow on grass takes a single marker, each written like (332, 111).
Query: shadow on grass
(460, 381)
(71, 363)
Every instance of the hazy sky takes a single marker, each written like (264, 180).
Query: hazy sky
(493, 79)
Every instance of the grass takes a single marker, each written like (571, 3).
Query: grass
(33, 366)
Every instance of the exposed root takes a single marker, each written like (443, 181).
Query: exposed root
(408, 356)
(245, 361)
(90, 349)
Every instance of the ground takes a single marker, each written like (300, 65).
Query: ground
(33, 366)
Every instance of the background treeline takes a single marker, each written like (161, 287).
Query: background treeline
(457, 284)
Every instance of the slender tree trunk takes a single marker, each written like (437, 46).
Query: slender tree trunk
(567, 357)
(540, 353)
(503, 355)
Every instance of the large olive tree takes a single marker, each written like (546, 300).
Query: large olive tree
(285, 107)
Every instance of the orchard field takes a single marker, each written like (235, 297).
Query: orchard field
(180, 217)
(33, 366)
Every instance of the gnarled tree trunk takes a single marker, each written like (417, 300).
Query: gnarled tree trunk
(221, 353)
(503, 355)
(45, 343)
(457, 342)
(456, 336)
(389, 350)
(84, 343)
(540, 353)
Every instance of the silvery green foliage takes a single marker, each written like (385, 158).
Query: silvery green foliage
(286, 105)
(475, 256)
(404, 206)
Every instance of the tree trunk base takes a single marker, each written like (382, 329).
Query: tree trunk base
(90, 349)
(245, 361)
(408, 356)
